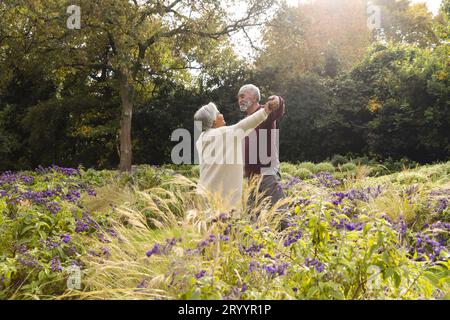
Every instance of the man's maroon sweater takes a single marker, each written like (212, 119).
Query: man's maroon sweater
(268, 124)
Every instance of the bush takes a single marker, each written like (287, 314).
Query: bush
(338, 160)
(288, 168)
(307, 165)
(350, 166)
(303, 173)
(325, 167)
(410, 177)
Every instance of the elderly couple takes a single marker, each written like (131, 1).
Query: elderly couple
(247, 148)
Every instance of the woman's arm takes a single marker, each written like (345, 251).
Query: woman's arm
(252, 121)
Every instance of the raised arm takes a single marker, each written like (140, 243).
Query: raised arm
(251, 122)
(278, 113)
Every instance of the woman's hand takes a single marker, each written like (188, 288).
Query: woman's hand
(272, 104)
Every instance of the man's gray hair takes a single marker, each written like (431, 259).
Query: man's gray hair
(207, 115)
(253, 89)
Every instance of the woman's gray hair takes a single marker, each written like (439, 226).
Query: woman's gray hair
(207, 115)
(253, 89)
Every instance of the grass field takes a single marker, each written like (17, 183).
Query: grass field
(355, 232)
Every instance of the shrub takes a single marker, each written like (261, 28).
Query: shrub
(307, 165)
(350, 166)
(325, 167)
(288, 168)
(410, 177)
(338, 160)
(303, 173)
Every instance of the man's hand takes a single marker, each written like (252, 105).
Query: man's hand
(272, 104)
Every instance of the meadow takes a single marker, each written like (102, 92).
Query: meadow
(351, 230)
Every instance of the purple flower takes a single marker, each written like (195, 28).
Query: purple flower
(50, 244)
(54, 207)
(224, 238)
(28, 179)
(157, 248)
(289, 184)
(65, 238)
(227, 230)
(442, 205)
(81, 226)
(253, 265)
(253, 248)
(402, 228)
(293, 237)
(276, 269)
(202, 244)
(28, 261)
(112, 233)
(326, 179)
(55, 264)
(200, 274)
(319, 266)
(244, 287)
(142, 284)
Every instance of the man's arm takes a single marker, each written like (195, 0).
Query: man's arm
(278, 113)
(251, 122)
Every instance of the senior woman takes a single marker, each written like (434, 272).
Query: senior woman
(220, 153)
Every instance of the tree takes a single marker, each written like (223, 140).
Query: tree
(404, 22)
(149, 38)
(128, 44)
(323, 36)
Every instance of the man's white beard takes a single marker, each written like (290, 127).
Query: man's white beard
(245, 105)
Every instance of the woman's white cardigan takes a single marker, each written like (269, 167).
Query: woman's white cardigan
(221, 161)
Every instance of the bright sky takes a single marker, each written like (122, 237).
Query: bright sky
(243, 47)
(433, 5)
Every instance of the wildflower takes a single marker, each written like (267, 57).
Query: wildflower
(276, 269)
(326, 179)
(293, 237)
(227, 230)
(112, 232)
(224, 238)
(155, 250)
(223, 216)
(319, 266)
(54, 207)
(55, 264)
(200, 274)
(202, 244)
(81, 226)
(28, 179)
(244, 287)
(252, 249)
(253, 265)
(142, 284)
(65, 238)
(443, 204)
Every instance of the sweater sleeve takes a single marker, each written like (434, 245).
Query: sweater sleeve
(251, 122)
(277, 114)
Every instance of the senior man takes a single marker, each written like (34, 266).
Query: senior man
(260, 147)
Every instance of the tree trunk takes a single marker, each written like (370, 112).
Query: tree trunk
(126, 95)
